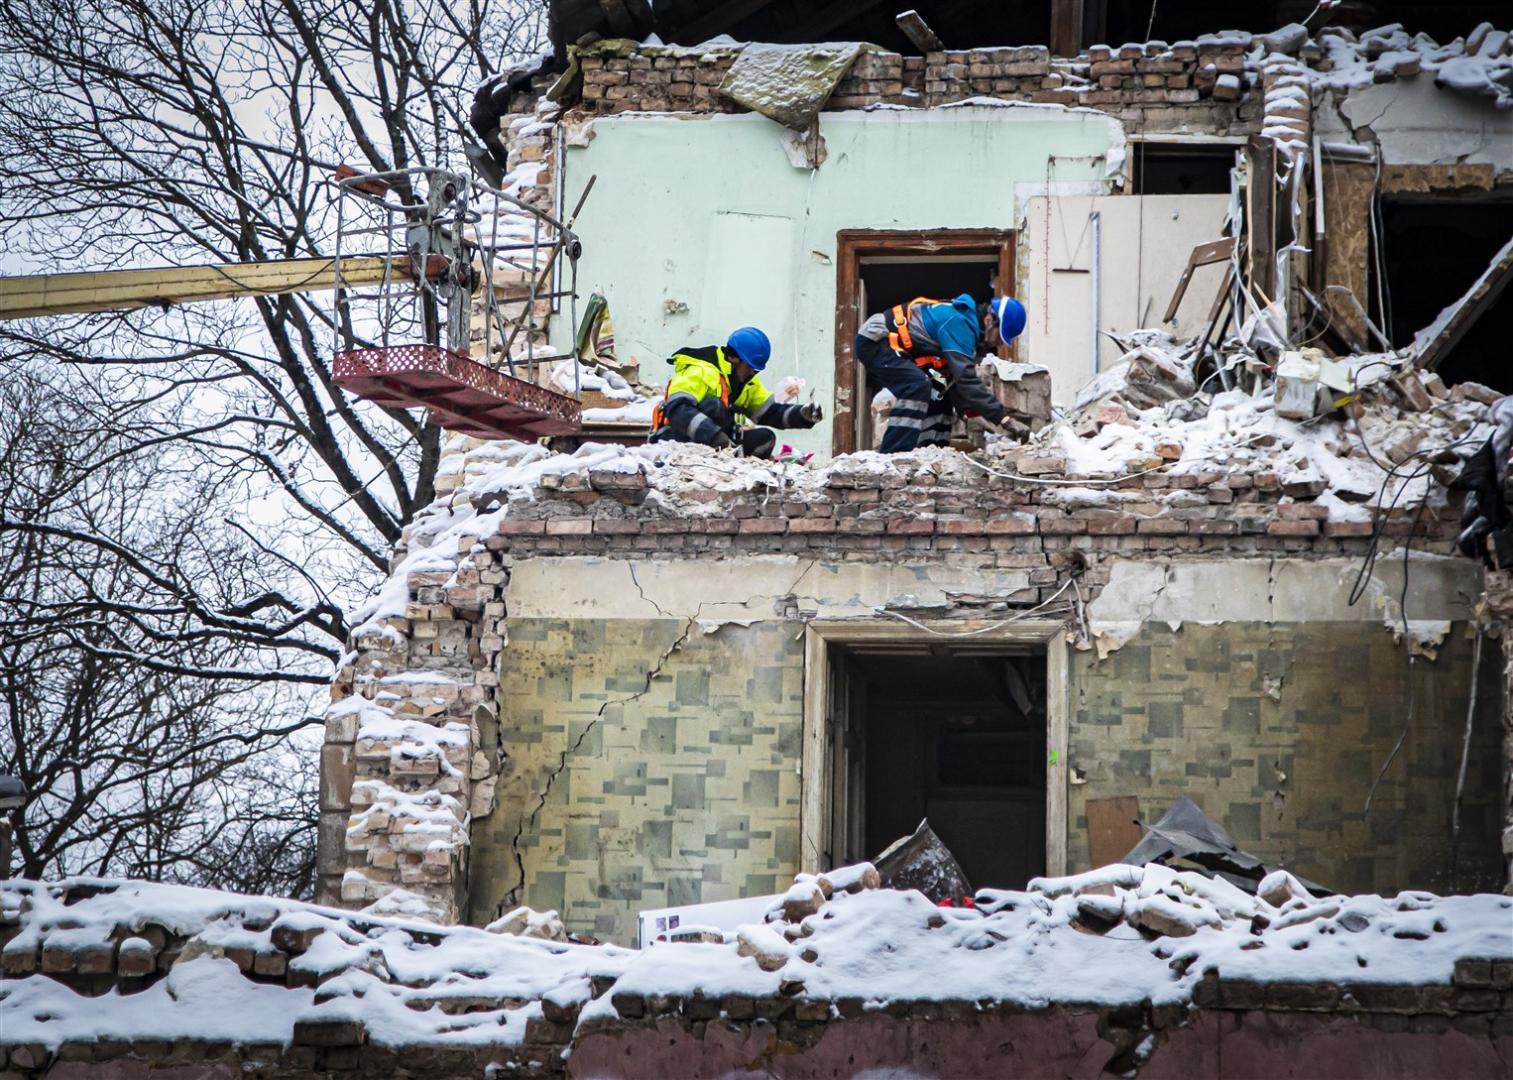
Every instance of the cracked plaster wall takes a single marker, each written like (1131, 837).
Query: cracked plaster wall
(1278, 729)
(1415, 123)
(684, 255)
(651, 715)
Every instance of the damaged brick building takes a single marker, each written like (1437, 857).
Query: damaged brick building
(618, 680)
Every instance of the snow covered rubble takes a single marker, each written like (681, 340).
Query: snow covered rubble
(1480, 64)
(87, 959)
(1143, 415)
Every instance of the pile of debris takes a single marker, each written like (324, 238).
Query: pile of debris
(1480, 64)
(107, 962)
(837, 936)
(1357, 434)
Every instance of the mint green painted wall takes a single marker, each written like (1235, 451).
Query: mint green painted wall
(708, 212)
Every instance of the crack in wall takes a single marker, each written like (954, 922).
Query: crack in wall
(514, 896)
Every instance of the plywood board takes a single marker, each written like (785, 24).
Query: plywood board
(1111, 828)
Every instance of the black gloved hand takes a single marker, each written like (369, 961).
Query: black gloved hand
(721, 441)
(811, 414)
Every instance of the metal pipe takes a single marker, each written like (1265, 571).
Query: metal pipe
(1097, 223)
(1465, 750)
(336, 295)
(559, 163)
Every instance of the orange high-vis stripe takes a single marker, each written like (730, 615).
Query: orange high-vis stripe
(659, 419)
(901, 341)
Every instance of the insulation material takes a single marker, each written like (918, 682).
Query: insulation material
(789, 83)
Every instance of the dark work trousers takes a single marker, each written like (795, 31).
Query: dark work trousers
(753, 441)
(921, 416)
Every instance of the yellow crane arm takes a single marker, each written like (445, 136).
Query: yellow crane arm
(32, 295)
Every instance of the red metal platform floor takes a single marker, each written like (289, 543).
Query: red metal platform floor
(464, 395)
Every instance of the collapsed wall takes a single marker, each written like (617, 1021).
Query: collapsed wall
(425, 743)
(138, 979)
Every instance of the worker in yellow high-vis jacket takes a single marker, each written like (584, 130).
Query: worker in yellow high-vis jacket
(714, 387)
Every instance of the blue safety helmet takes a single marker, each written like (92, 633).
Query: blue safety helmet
(751, 345)
(1010, 315)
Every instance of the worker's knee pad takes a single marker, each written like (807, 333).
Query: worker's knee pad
(758, 442)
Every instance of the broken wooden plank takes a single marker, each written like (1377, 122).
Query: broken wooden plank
(1262, 217)
(1112, 831)
(1436, 341)
(1202, 255)
(913, 24)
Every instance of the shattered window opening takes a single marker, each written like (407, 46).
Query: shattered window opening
(1433, 250)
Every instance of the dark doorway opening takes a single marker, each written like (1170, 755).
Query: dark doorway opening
(1433, 250)
(956, 738)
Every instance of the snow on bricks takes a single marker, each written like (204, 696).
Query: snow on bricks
(1227, 83)
(101, 970)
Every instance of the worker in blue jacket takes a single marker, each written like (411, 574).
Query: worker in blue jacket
(926, 352)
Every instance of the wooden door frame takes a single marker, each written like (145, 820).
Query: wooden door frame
(816, 784)
(851, 246)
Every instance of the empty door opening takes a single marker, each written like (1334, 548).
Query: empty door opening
(953, 737)
(887, 281)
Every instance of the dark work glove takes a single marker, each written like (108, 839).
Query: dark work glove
(721, 441)
(811, 414)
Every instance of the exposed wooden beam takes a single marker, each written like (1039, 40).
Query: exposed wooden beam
(36, 295)
(1066, 27)
(913, 24)
(719, 20)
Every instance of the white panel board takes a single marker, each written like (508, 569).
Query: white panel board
(1146, 240)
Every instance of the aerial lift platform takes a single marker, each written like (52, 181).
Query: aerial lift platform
(441, 240)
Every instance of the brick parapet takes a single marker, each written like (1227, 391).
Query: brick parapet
(1164, 88)
(992, 523)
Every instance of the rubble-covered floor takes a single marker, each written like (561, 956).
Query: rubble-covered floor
(1391, 446)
